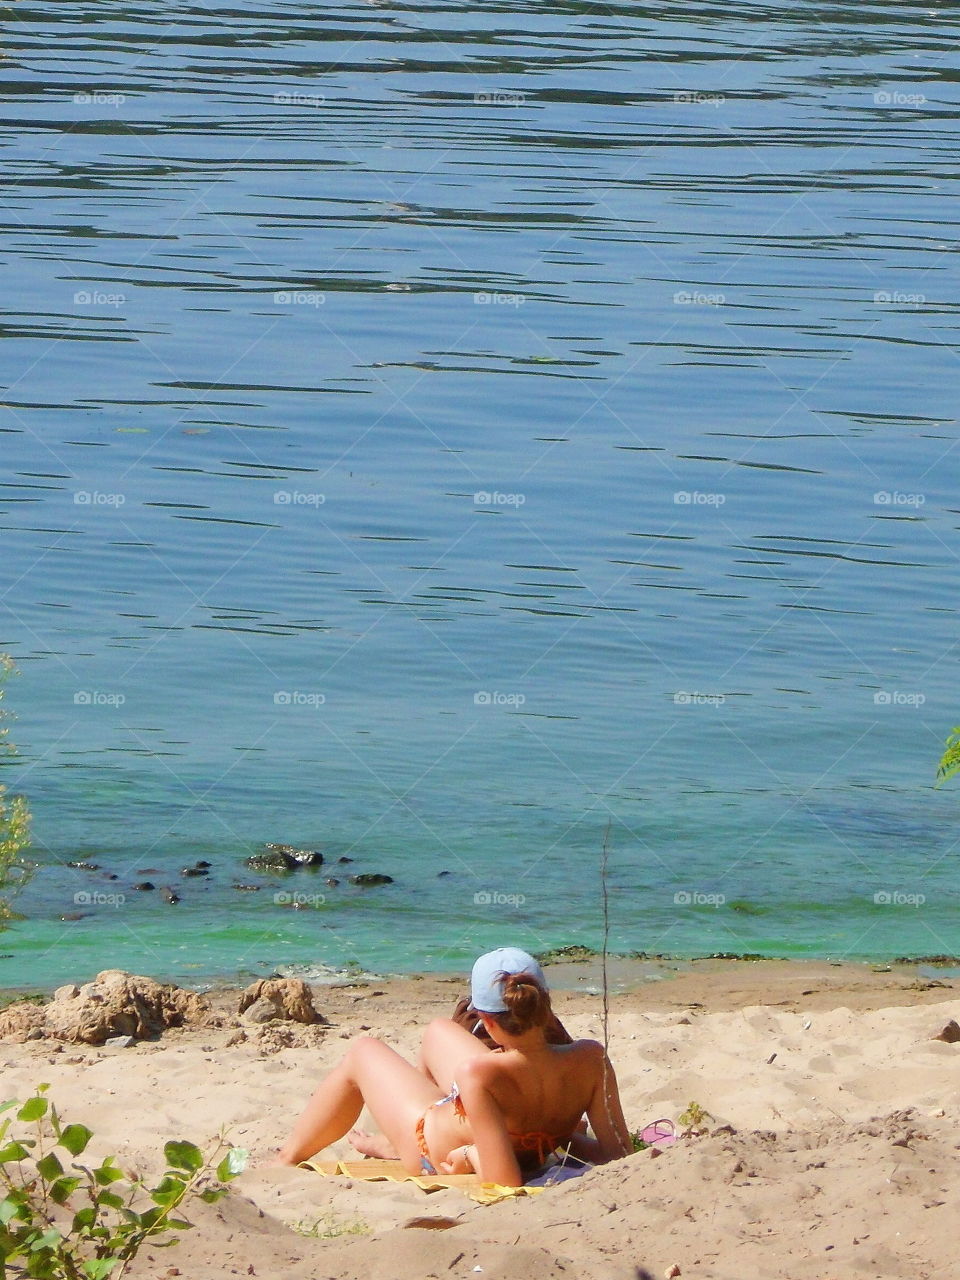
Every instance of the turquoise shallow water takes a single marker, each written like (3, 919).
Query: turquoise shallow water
(432, 432)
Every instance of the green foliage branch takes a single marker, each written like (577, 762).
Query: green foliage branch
(14, 818)
(82, 1223)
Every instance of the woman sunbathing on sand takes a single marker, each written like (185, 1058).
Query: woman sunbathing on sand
(497, 1112)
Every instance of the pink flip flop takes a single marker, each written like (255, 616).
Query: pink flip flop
(661, 1133)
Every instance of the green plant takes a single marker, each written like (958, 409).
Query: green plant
(950, 760)
(694, 1119)
(14, 819)
(329, 1227)
(49, 1238)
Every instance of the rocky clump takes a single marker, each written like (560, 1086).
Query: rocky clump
(114, 1004)
(281, 999)
(950, 1033)
(368, 879)
(284, 857)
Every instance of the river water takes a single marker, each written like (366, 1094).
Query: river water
(431, 433)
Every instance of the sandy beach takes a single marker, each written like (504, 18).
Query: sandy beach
(831, 1153)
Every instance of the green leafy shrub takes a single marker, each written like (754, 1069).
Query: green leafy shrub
(950, 760)
(81, 1223)
(14, 819)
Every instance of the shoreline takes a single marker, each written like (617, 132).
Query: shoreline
(710, 982)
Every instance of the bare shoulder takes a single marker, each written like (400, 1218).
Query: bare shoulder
(589, 1050)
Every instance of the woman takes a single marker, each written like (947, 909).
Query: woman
(498, 1113)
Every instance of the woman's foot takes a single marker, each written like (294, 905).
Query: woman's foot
(372, 1144)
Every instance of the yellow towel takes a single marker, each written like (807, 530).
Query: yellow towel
(393, 1171)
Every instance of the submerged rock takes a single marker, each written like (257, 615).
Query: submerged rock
(367, 879)
(284, 857)
(85, 866)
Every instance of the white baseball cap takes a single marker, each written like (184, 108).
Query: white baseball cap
(486, 981)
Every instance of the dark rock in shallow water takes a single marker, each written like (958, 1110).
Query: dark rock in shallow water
(144, 886)
(285, 858)
(344, 859)
(201, 863)
(248, 888)
(370, 878)
(332, 881)
(169, 895)
(85, 866)
(195, 871)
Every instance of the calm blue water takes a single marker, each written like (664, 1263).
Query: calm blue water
(431, 432)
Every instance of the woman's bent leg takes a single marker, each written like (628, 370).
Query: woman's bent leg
(445, 1045)
(370, 1074)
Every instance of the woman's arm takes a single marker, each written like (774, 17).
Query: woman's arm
(492, 1152)
(605, 1113)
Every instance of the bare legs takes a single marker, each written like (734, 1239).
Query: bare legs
(444, 1047)
(370, 1074)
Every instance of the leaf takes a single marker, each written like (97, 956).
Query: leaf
(232, 1164)
(111, 1199)
(9, 1209)
(14, 1151)
(213, 1194)
(99, 1268)
(84, 1218)
(107, 1173)
(49, 1167)
(183, 1155)
(33, 1109)
(75, 1138)
(5, 1106)
(63, 1189)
